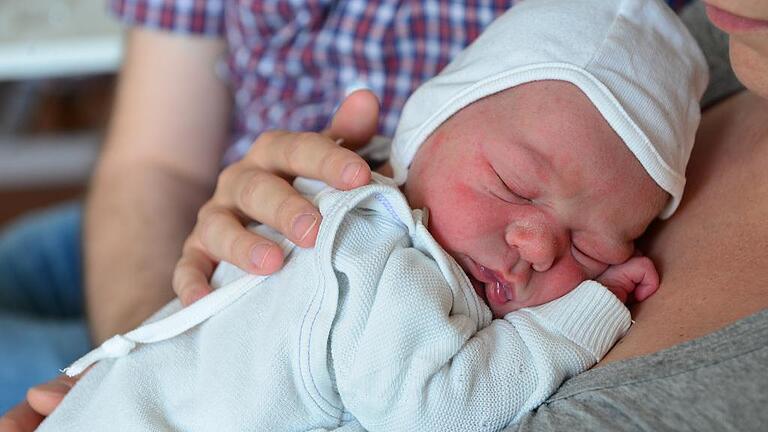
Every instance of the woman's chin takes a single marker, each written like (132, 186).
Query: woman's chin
(750, 63)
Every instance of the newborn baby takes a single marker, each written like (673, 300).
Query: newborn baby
(542, 197)
(541, 153)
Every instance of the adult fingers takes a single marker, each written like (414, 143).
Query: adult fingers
(44, 398)
(319, 156)
(356, 120)
(271, 200)
(221, 235)
(243, 193)
(309, 155)
(21, 418)
(192, 273)
(252, 189)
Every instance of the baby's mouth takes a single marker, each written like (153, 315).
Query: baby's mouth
(491, 286)
(496, 288)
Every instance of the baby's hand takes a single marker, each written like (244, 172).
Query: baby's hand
(635, 279)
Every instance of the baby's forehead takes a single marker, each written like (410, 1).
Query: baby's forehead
(549, 139)
(543, 105)
(554, 120)
(552, 139)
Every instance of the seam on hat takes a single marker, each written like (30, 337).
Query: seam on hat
(608, 32)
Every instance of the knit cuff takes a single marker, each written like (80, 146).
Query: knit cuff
(590, 316)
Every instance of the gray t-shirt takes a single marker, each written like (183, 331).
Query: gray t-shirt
(714, 45)
(718, 382)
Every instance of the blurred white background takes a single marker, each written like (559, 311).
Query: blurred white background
(57, 64)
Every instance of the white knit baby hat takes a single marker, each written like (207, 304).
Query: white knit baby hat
(633, 59)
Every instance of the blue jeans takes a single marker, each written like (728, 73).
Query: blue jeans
(42, 326)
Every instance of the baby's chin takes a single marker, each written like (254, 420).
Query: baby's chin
(501, 310)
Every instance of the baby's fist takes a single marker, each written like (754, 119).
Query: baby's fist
(634, 279)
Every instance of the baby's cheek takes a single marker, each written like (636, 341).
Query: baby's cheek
(562, 279)
(454, 208)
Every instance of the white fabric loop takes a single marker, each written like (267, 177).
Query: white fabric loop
(173, 325)
(117, 346)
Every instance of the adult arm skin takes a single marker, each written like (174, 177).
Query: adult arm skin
(159, 164)
(158, 167)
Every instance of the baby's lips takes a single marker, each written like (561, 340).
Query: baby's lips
(501, 289)
(488, 275)
(505, 290)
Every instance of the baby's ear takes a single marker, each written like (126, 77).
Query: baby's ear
(356, 121)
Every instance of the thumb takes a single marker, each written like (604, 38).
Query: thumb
(356, 120)
(44, 398)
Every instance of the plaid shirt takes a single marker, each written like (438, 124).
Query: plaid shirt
(290, 62)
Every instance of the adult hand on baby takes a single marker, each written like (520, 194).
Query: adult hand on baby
(255, 188)
(635, 280)
(258, 188)
(40, 402)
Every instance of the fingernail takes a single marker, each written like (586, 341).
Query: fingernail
(303, 224)
(259, 254)
(350, 173)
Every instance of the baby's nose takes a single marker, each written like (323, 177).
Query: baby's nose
(535, 241)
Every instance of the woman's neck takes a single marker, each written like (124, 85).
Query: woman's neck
(711, 253)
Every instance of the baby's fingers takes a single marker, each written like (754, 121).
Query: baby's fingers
(636, 278)
(641, 271)
(647, 284)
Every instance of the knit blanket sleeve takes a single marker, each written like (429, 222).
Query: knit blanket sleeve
(377, 328)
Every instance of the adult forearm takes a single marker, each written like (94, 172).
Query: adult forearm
(136, 219)
(159, 163)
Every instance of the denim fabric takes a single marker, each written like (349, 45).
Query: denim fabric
(42, 327)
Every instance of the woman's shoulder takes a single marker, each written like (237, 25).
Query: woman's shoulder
(711, 253)
(727, 365)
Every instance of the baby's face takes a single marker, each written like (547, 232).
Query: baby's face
(532, 192)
